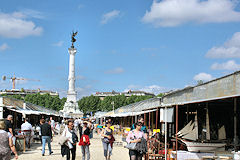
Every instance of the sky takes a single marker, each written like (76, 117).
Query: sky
(149, 45)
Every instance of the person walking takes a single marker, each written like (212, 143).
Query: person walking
(107, 140)
(41, 122)
(6, 143)
(72, 139)
(135, 136)
(9, 127)
(52, 123)
(46, 133)
(27, 129)
(84, 132)
(143, 128)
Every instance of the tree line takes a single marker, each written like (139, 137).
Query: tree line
(46, 100)
(94, 104)
(86, 104)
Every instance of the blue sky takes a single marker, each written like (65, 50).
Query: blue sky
(147, 45)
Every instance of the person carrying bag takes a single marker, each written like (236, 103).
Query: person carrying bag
(70, 140)
(84, 142)
(133, 145)
(107, 140)
(134, 138)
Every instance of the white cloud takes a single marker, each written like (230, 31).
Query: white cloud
(58, 44)
(84, 91)
(80, 77)
(4, 46)
(31, 13)
(15, 25)
(203, 77)
(20, 82)
(81, 91)
(155, 89)
(5, 85)
(109, 16)
(170, 13)
(117, 70)
(229, 65)
(230, 49)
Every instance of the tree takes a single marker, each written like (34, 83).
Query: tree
(93, 103)
(106, 103)
(200, 82)
(45, 100)
(160, 95)
(131, 99)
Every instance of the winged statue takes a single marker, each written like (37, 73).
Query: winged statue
(73, 38)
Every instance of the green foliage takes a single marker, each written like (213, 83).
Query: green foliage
(16, 96)
(86, 104)
(200, 82)
(160, 95)
(93, 103)
(89, 104)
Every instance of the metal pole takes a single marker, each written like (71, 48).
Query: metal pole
(113, 105)
(144, 119)
(156, 119)
(149, 120)
(176, 130)
(207, 123)
(165, 119)
(235, 125)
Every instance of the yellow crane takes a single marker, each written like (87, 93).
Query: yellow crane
(14, 78)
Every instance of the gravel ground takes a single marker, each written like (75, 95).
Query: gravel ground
(96, 151)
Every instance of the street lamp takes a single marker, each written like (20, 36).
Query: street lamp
(113, 105)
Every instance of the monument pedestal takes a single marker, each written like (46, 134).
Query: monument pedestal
(71, 109)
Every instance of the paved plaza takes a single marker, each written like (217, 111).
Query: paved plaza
(96, 151)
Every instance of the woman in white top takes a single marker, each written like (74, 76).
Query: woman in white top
(71, 135)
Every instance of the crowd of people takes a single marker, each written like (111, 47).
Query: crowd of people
(75, 132)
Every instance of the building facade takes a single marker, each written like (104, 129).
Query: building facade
(127, 94)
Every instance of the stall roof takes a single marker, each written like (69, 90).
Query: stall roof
(25, 107)
(131, 113)
(224, 87)
(140, 106)
(135, 108)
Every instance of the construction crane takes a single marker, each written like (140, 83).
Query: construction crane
(13, 79)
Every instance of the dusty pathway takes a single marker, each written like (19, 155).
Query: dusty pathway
(96, 151)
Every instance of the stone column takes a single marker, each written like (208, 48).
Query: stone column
(72, 94)
(71, 105)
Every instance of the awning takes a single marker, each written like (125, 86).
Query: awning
(126, 114)
(198, 101)
(24, 111)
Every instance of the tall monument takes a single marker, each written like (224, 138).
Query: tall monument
(71, 105)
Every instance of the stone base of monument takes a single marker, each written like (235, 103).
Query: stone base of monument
(71, 110)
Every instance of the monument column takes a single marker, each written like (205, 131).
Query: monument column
(72, 94)
(71, 105)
